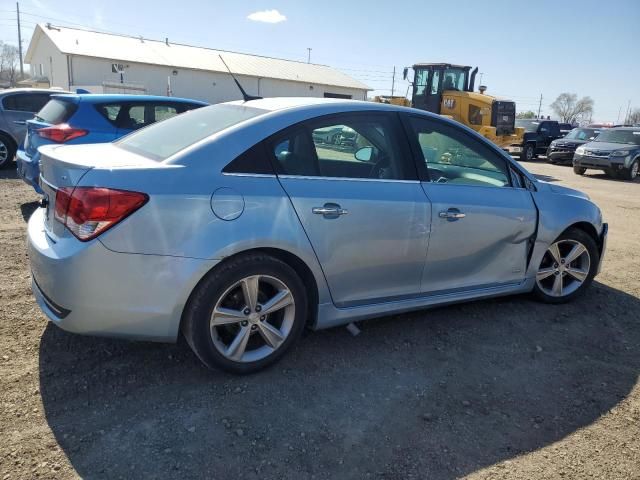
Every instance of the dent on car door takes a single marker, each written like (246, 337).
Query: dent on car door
(482, 223)
(355, 190)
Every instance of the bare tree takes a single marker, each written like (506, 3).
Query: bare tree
(634, 116)
(9, 63)
(570, 109)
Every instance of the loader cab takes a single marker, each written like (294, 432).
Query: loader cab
(431, 79)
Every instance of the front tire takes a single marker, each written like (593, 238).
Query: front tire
(579, 170)
(631, 173)
(7, 151)
(567, 267)
(245, 314)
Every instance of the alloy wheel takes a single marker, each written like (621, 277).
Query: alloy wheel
(252, 318)
(564, 268)
(529, 153)
(634, 169)
(4, 152)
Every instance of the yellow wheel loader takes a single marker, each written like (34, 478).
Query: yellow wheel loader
(448, 90)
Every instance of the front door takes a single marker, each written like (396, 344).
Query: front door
(482, 223)
(427, 91)
(354, 187)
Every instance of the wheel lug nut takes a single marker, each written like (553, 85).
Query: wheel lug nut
(262, 318)
(244, 323)
(253, 327)
(258, 308)
(247, 311)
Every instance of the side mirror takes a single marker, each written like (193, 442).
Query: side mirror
(405, 72)
(364, 154)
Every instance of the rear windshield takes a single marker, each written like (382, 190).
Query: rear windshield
(56, 111)
(163, 139)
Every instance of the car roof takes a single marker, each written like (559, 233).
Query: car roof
(273, 104)
(114, 97)
(33, 90)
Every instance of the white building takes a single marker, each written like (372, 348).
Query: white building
(105, 63)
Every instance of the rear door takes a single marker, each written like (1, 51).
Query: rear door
(20, 107)
(482, 221)
(358, 198)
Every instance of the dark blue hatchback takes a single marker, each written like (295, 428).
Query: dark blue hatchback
(91, 118)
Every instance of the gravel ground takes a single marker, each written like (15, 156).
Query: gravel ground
(505, 388)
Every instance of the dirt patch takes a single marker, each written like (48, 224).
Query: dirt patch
(506, 388)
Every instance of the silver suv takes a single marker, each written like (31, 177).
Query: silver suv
(17, 105)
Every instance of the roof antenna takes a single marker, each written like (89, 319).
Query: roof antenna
(245, 95)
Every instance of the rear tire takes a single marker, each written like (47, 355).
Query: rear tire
(528, 153)
(228, 329)
(7, 151)
(560, 277)
(579, 170)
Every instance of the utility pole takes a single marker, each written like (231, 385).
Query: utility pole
(626, 117)
(393, 81)
(481, 74)
(19, 41)
(309, 55)
(540, 106)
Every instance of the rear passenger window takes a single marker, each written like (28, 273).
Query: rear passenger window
(122, 115)
(344, 146)
(25, 102)
(162, 112)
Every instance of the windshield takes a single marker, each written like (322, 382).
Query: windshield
(528, 125)
(620, 136)
(582, 134)
(164, 139)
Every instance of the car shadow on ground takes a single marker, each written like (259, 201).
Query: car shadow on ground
(27, 209)
(432, 394)
(8, 172)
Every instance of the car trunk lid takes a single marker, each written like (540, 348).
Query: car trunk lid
(65, 165)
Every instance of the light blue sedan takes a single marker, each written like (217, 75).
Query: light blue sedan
(239, 226)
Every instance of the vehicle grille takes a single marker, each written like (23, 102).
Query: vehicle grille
(503, 116)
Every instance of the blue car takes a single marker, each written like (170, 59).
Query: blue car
(90, 118)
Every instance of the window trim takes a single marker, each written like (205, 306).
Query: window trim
(307, 126)
(423, 172)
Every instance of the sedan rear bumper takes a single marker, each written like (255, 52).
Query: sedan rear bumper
(88, 289)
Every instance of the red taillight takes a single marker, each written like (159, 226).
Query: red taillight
(61, 133)
(89, 211)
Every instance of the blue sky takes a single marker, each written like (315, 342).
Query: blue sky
(524, 49)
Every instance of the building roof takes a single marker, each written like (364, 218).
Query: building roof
(124, 48)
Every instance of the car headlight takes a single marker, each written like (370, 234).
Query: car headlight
(619, 153)
(580, 150)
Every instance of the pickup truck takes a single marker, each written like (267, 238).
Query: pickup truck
(538, 135)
